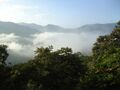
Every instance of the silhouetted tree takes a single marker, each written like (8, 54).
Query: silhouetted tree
(3, 54)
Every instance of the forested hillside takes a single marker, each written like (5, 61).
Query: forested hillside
(63, 69)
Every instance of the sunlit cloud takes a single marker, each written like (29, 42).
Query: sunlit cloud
(8, 38)
(25, 47)
(78, 42)
(3, 1)
(20, 13)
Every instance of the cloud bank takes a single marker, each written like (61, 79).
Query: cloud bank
(24, 47)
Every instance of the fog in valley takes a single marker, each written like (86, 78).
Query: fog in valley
(21, 45)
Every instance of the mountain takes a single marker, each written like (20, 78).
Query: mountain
(53, 28)
(20, 30)
(47, 28)
(91, 28)
(32, 25)
(26, 29)
(97, 28)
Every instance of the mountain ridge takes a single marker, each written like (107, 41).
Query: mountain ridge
(85, 28)
(26, 29)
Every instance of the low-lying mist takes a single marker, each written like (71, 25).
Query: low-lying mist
(22, 49)
(23, 39)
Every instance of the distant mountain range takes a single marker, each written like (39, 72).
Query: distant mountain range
(25, 29)
(100, 28)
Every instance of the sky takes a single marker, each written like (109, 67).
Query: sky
(65, 13)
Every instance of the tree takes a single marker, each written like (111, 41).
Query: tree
(106, 61)
(49, 70)
(106, 50)
(4, 70)
(3, 54)
(61, 69)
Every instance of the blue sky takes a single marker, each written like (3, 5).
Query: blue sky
(66, 13)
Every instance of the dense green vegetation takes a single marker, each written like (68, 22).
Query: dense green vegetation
(65, 70)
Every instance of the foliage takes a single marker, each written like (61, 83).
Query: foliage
(49, 70)
(106, 62)
(3, 54)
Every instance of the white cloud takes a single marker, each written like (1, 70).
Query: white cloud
(25, 47)
(11, 40)
(78, 42)
(15, 46)
(15, 43)
(8, 38)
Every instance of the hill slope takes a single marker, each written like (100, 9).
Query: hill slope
(9, 27)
